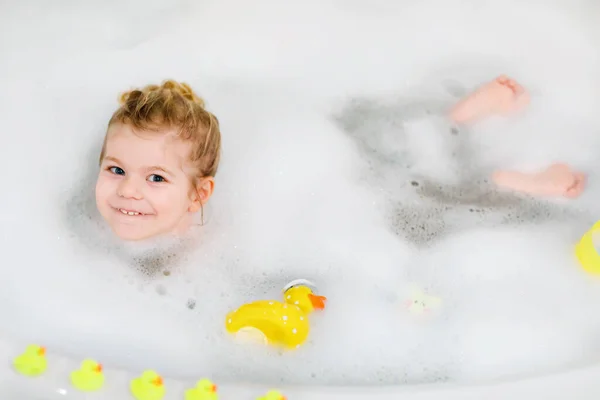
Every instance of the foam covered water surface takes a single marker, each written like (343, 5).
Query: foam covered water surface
(338, 166)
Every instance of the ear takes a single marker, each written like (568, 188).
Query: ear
(201, 193)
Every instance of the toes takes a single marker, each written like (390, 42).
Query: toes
(518, 89)
(514, 87)
(506, 81)
(511, 84)
(577, 188)
(573, 192)
(580, 180)
(522, 93)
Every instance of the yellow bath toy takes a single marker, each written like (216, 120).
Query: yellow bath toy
(272, 395)
(586, 251)
(420, 302)
(204, 390)
(32, 362)
(88, 377)
(276, 323)
(149, 386)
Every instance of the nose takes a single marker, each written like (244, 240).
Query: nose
(129, 189)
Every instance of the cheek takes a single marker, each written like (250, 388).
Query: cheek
(102, 188)
(172, 202)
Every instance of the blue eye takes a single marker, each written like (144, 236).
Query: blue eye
(156, 178)
(117, 170)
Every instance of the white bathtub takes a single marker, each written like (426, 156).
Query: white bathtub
(574, 383)
(580, 384)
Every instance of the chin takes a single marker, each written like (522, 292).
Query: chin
(131, 236)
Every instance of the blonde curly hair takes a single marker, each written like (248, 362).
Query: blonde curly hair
(173, 105)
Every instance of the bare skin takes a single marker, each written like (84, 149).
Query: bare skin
(504, 96)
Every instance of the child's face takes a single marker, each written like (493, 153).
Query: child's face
(143, 189)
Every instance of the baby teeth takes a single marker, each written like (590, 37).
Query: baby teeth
(129, 212)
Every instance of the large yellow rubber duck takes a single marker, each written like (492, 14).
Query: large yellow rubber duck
(275, 323)
(149, 386)
(272, 395)
(88, 377)
(586, 252)
(32, 362)
(204, 390)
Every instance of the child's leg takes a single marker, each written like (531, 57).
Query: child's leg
(501, 96)
(504, 96)
(556, 180)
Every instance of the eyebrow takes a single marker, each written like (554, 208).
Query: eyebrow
(113, 159)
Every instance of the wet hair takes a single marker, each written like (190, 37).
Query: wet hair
(175, 106)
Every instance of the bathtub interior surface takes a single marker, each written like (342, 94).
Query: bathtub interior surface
(338, 166)
(580, 384)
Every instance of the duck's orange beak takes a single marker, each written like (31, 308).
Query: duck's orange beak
(283, 398)
(318, 302)
(42, 351)
(213, 388)
(157, 381)
(98, 368)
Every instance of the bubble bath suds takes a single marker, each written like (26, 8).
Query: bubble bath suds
(338, 166)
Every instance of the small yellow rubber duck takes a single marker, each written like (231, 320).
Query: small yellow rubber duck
(420, 302)
(204, 390)
(32, 362)
(88, 377)
(275, 323)
(272, 395)
(149, 386)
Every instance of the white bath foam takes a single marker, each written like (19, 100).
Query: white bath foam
(546, 331)
(331, 211)
(559, 126)
(433, 148)
(302, 184)
(476, 256)
(541, 136)
(290, 48)
(373, 328)
(508, 312)
(336, 238)
(101, 301)
(80, 28)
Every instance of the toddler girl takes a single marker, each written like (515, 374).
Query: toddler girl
(503, 96)
(158, 161)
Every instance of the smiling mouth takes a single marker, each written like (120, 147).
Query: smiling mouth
(129, 212)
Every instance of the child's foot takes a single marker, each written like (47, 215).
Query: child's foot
(555, 181)
(499, 97)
